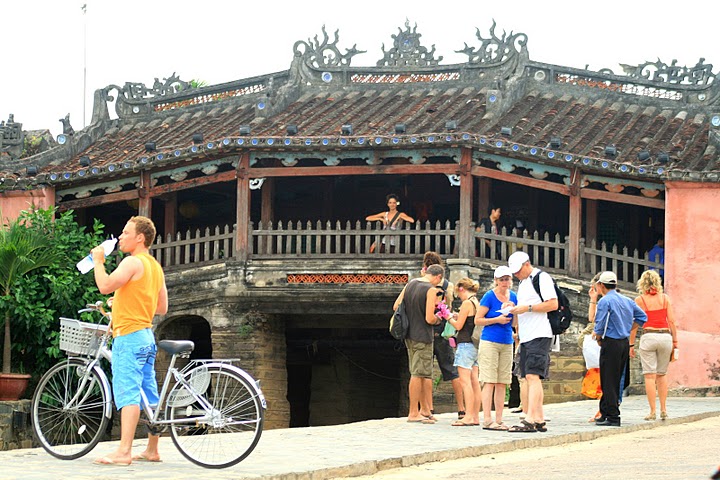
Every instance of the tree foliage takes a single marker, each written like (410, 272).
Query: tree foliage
(39, 298)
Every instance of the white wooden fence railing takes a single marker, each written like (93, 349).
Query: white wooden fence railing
(366, 240)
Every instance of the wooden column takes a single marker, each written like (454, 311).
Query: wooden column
(575, 227)
(145, 200)
(267, 209)
(466, 196)
(242, 213)
(170, 214)
(591, 214)
(483, 198)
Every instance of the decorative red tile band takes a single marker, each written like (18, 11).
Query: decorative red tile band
(347, 278)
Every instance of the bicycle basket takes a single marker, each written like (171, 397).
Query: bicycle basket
(80, 338)
(199, 381)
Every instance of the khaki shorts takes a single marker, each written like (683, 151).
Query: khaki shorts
(420, 358)
(655, 350)
(495, 361)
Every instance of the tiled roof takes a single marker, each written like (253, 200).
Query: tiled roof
(587, 112)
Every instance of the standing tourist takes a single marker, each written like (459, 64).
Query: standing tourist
(496, 346)
(658, 340)
(140, 294)
(535, 336)
(466, 354)
(419, 296)
(615, 318)
(443, 352)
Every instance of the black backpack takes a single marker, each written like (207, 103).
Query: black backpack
(399, 322)
(559, 319)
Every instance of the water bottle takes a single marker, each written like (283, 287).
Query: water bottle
(87, 264)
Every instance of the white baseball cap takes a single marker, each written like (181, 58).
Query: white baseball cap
(516, 261)
(502, 271)
(608, 277)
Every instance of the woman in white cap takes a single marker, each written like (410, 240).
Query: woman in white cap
(496, 349)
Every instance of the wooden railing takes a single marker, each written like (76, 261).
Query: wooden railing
(627, 267)
(195, 247)
(356, 240)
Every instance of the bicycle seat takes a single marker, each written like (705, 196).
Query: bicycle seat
(176, 347)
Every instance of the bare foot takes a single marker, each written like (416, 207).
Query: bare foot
(147, 457)
(114, 459)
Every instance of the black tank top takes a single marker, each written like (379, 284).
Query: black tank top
(465, 333)
(415, 300)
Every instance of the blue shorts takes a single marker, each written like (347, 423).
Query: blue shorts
(466, 355)
(133, 368)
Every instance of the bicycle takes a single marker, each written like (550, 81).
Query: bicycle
(213, 409)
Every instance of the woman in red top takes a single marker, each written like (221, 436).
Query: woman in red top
(658, 340)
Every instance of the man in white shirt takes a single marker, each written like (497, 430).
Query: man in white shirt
(535, 336)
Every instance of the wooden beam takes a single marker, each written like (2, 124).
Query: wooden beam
(622, 198)
(575, 224)
(466, 197)
(242, 208)
(194, 182)
(446, 168)
(519, 179)
(95, 201)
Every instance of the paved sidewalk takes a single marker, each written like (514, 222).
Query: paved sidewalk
(361, 448)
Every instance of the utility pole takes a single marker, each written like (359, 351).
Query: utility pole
(84, 10)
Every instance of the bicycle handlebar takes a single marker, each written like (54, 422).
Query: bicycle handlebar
(95, 307)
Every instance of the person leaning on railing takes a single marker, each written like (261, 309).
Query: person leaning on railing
(392, 220)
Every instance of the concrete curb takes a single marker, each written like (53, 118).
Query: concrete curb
(371, 467)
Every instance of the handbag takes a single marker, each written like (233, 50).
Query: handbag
(373, 246)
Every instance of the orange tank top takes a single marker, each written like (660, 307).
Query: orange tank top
(656, 318)
(135, 303)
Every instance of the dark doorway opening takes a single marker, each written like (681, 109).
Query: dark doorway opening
(341, 375)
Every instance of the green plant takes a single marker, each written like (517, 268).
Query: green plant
(41, 296)
(22, 250)
(32, 144)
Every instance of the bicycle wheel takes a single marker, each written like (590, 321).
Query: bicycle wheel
(230, 431)
(69, 422)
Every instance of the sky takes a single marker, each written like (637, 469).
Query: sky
(56, 54)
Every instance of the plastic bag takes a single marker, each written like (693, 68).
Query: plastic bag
(448, 331)
(591, 352)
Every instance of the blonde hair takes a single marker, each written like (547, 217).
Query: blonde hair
(650, 279)
(468, 284)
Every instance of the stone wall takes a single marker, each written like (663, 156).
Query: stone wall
(20, 435)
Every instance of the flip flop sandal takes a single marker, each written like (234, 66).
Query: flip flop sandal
(524, 427)
(458, 423)
(498, 427)
(540, 427)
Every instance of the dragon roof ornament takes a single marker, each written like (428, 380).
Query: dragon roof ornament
(323, 55)
(660, 72)
(407, 51)
(494, 50)
(138, 91)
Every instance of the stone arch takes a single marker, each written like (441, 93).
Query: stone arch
(184, 327)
